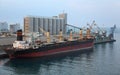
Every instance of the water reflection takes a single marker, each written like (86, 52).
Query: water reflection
(2, 61)
(54, 65)
(103, 60)
(111, 46)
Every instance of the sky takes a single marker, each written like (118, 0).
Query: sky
(106, 13)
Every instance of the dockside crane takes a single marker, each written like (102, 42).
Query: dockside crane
(112, 29)
(97, 30)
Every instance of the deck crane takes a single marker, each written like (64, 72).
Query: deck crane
(47, 34)
(50, 38)
(91, 26)
(43, 31)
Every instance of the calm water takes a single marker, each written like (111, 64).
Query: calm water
(103, 60)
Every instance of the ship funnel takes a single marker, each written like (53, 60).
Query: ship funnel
(48, 36)
(19, 35)
(81, 34)
(60, 35)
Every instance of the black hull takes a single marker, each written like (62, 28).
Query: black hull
(52, 49)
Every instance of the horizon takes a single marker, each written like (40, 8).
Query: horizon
(79, 13)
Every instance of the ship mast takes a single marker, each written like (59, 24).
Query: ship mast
(88, 35)
(71, 35)
(60, 36)
(81, 34)
(48, 37)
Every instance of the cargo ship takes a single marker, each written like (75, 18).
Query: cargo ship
(38, 48)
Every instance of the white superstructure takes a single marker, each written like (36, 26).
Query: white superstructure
(21, 44)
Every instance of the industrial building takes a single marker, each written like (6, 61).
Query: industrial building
(3, 27)
(52, 24)
(14, 27)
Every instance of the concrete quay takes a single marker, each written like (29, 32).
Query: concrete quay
(4, 43)
(7, 40)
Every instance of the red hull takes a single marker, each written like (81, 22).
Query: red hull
(55, 51)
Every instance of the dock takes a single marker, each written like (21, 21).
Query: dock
(107, 41)
(4, 43)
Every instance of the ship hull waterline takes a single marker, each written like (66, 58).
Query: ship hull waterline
(52, 54)
(38, 53)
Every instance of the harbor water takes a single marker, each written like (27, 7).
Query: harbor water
(104, 59)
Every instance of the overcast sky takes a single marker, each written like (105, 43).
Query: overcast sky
(106, 13)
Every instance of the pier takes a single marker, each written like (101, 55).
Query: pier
(4, 43)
